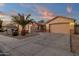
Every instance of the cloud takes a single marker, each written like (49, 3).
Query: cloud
(69, 9)
(2, 13)
(39, 9)
(13, 12)
(2, 4)
(44, 13)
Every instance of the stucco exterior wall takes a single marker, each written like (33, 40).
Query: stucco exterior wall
(30, 27)
(60, 20)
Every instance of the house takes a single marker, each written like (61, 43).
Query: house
(6, 18)
(41, 27)
(32, 27)
(60, 24)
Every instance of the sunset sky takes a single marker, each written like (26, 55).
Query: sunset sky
(41, 11)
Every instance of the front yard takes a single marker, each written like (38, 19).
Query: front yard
(19, 36)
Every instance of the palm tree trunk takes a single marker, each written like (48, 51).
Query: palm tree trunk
(23, 31)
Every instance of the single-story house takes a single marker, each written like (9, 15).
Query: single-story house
(60, 24)
(32, 27)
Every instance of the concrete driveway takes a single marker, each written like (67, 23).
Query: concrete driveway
(44, 44)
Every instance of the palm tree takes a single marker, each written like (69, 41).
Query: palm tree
(22, 20)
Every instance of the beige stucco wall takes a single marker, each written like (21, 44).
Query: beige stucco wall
(5, 23)
(47, 27)
(60, 20)
(29, 27)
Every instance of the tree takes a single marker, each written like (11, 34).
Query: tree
(41, 21)
(1, 21)
(22, 20)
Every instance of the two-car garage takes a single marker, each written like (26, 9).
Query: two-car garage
(60, 24)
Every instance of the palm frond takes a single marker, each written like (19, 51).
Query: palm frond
(28, 16)
(21, 20)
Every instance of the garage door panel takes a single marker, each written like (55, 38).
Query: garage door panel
(60, 28)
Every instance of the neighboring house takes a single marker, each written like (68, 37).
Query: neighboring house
(10, 26)
(60, 24)
(6, 18)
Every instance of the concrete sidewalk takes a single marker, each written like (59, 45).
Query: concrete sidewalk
(40, 45)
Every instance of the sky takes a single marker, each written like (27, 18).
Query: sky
(41, 11)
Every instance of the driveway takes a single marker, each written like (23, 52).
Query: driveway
(44, 44)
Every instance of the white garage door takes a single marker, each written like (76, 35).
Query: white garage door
(60, 28)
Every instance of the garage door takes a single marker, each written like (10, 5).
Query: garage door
(60, 28)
